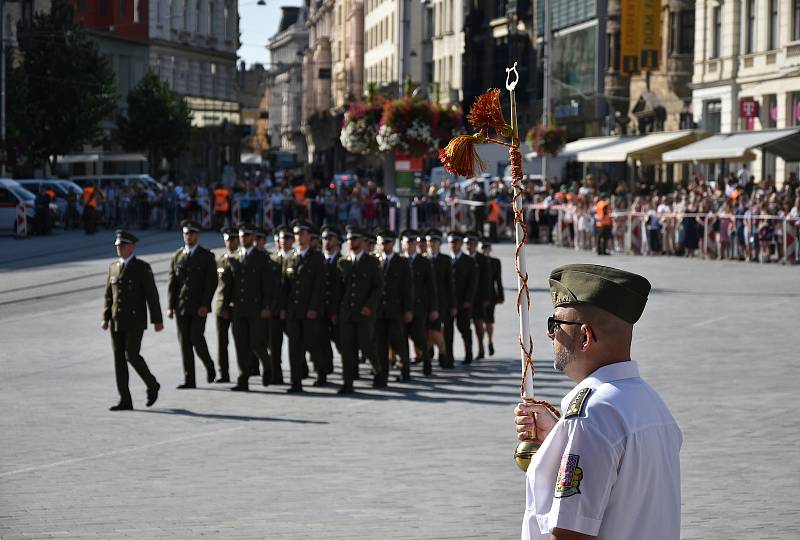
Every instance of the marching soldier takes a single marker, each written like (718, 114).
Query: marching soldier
(446, 299)
(465, 280)
(396, 306)
(426, 301)
(284, 239)
(481, 300)
(496, 293)
(250, 292)
(363, 286)
(231, 238)
(130, 293)
(331, 239)
(261, 248)
(302, 305)
(190, 289)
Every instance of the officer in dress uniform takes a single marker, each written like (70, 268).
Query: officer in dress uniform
(465, 281)
(190, 289)
(274, 275)
(231, 238)
(441, 331)
(362, 288)
(482, 290)
(251, 294)
(303, 304)
(496, 293)
(426, 300)
(284, 240)
(130, 292)
(331, 242)
(616, 439)
(395, 309)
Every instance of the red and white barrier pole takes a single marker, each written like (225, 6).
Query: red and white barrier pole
(266, 216)
(22, 222)
(205, 213)
(236, 212)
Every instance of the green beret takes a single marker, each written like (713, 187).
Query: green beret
(619, 292)
(124, 237)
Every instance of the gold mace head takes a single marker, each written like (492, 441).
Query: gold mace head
(524, 453)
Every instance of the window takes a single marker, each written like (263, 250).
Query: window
(450, 16)
(717, 43)
(122, 8)
(211, 18)
(392, 23)
(772, 32)
(198, 17)
(769, 111)
(137, 11)
(713, 116)
(794, 109)
(795, 20)
(687, 32)
(750, 29)
(429, 21)
(186, 14)
(673, 32)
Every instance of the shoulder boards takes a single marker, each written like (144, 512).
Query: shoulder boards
(575, 407)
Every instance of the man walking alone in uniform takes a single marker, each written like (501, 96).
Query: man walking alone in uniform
(223, 312)
(130, 292)
(190, 289)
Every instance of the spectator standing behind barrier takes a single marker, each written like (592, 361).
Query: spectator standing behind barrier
(90, 198)
(603, 224)
(222, 205)
(478, 211)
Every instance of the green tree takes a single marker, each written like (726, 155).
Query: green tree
(61, 89)
(158, 121)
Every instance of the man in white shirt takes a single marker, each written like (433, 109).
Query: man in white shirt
(609, 468)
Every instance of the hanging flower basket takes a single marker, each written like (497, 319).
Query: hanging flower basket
(360, 127)
(407, 126)
(547, 140)
(447, 122)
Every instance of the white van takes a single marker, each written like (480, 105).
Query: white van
(118, 180)
(11, 196)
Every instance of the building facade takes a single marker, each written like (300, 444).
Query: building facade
(447, 29)
(253, 99)
(748, 51)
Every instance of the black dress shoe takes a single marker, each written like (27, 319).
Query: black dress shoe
(468, 358)
(481, 355)
(210, 376)
(121, 407)
(491, 349)
(403, 377)
(265, 380)
(322, 380)
(294, 389)
(379, 382)
(223, 379)
(240, 388)
(152, 394)
(346, 389)
(426, 368)
(277, 380)
(186, 386)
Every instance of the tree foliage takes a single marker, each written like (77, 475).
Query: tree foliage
(59, 90)
(158, 121)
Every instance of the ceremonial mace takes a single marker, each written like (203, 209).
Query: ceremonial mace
(460, 157)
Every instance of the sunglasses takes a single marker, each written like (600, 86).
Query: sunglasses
(553, 325)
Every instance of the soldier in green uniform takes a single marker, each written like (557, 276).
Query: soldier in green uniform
(426, 300)
(251, 294)
(302, 305)
(482, 290)
(331, 242)
(190, 289)
(465, 280)
(284, 240)
(362, 288)
(446, 299)
(261, 249)
(395, 309)
(231, 238)
(496, 293)
(130, 293)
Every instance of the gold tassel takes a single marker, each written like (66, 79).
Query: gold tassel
(487, 113)
(460, 156)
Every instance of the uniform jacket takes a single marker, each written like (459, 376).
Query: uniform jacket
(465, 279)
(192, 281)
(250, 283)
(129, 293)
(333, 286)
(303, 284)
(362, 285)
(277, 264)
(497, 294)
(426, 298)
(398, 288)
(224, 277)
(445, 287)
(484, 277)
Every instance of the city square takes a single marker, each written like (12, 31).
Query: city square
(430, 458)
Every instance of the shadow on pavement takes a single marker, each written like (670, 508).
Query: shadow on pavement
(212, 416)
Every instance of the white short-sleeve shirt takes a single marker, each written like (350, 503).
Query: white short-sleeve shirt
(610, 467)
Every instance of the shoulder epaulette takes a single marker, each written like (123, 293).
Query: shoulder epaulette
(575, 407)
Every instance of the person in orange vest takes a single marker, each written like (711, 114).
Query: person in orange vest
(222, 205)
(494, 219)
(603, 223)
(89, 199)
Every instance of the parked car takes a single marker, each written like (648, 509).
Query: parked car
(36, 185)
(71, 186)
(12, 194)
(118, 180)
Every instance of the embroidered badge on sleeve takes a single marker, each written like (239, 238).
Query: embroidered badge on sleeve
(569, 477)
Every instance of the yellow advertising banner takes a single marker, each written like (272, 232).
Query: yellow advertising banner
(651, 34)
(640, 35)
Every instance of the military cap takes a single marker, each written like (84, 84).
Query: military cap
(314, 232)
(619, 292)
(433, 234)
(371, 238)
(282, 230)
(247, 228)
(302, 225)
(471, 235)
(385, 235)
(124, 237)
(260, 232)
(189, 225)
(329, 230)
(410, 234)
(354, 231)
(227, 232)
(485, 241)
(454, 235)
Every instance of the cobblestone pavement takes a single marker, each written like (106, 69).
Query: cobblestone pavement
(427, 459)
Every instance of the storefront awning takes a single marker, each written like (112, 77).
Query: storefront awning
(95, 157)
(738, 146)
(646, 149)
(571, 149)
(250, 159)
